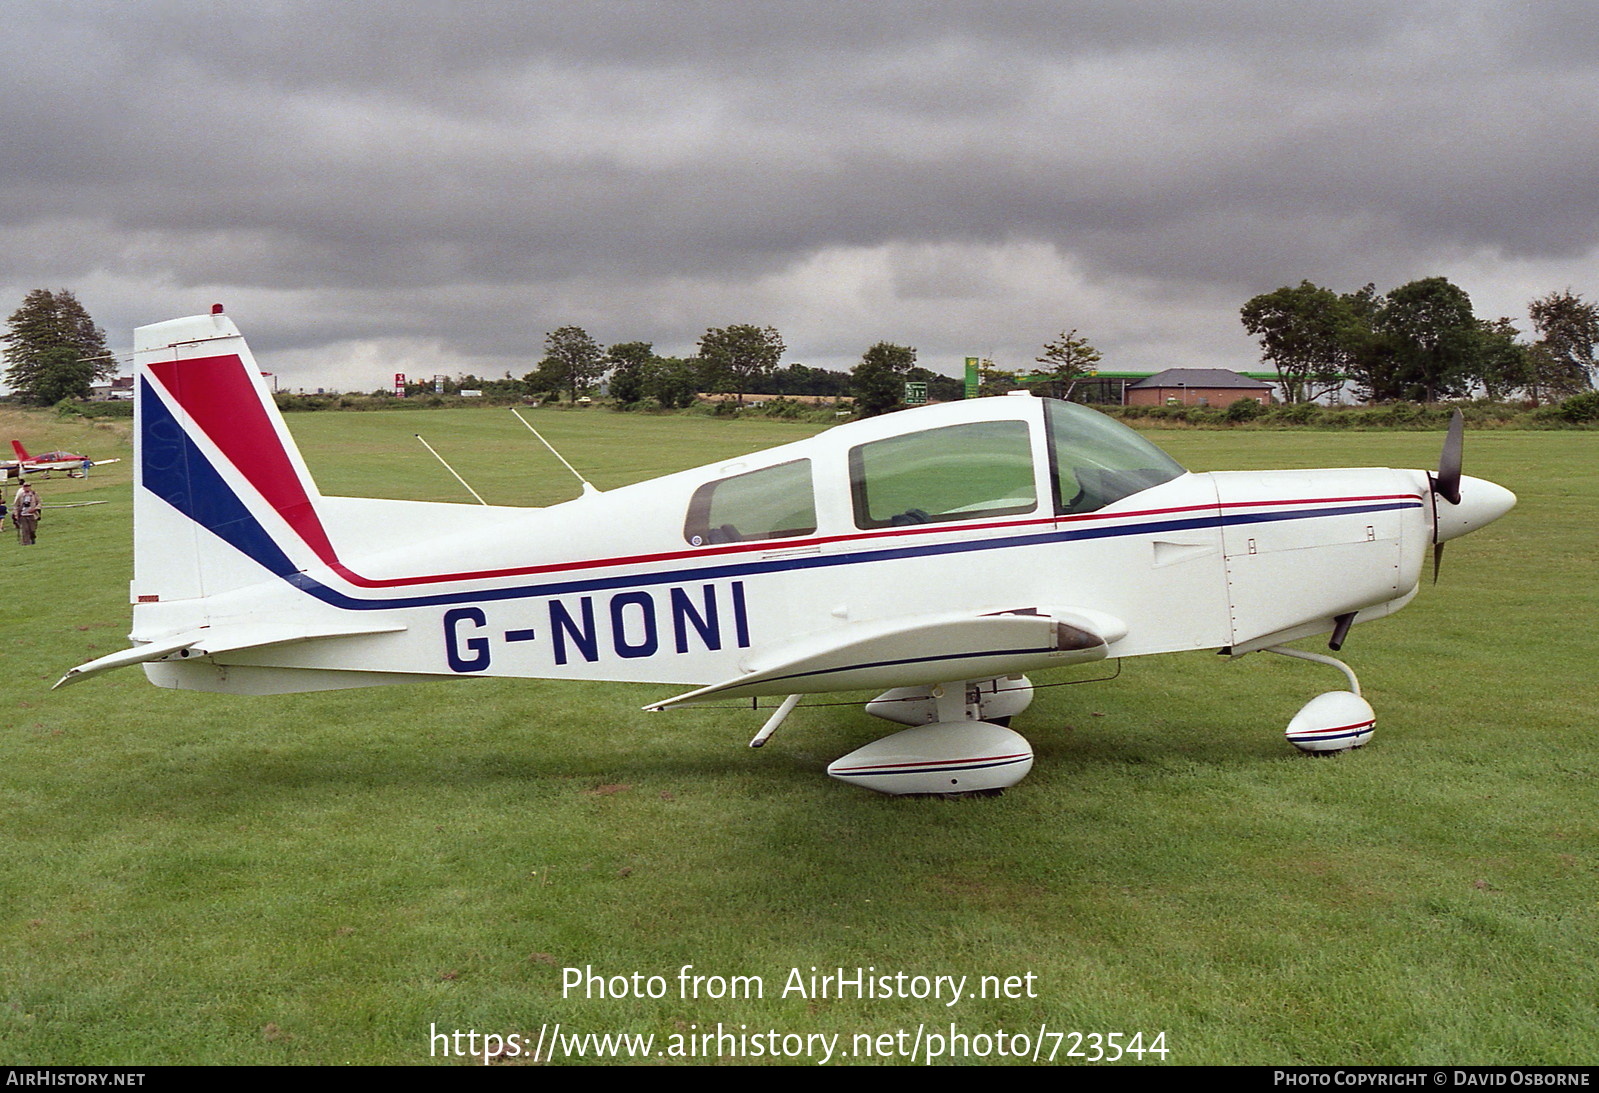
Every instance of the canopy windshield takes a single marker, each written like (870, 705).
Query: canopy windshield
(1096, 461)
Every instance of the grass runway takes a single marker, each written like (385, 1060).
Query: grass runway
(322, 878)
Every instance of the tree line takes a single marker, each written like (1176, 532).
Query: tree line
(735, 361)
(1421, 342)
(54, 352)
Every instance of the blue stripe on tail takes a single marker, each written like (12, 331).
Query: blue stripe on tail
(176, 471)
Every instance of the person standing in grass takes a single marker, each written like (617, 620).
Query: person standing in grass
(26, 516)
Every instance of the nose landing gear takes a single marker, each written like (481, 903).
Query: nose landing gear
(1332, 722)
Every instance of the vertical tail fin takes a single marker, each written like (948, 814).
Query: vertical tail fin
(225, 522)
(221, 492)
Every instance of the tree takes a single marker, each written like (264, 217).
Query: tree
(1568, 328)
(878, 382)
(1420, 342)
(1504, 365)
(638, 374)
(940, 388)
(1069, 358)
(1371, 353)
(1310, 334)
(1551, 378)
(630, 364)
(572, 362)
(508, 387)
(1434, 336)
(58, 374)
(800, 379)
(734, 357)
(53, 349)
(670, 382)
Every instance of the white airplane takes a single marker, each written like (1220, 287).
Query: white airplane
(937, 554)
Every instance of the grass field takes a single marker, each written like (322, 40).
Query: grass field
(321, 878)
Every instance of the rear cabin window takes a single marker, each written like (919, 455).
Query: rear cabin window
(960, 472)
(771, 503)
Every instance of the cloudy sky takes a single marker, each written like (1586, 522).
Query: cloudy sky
(431, 187)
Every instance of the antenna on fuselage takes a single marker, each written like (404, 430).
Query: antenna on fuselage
(451, 469)
(588, 487)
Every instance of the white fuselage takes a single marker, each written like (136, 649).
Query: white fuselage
(611, 586)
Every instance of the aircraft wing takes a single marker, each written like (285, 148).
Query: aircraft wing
(919, 650)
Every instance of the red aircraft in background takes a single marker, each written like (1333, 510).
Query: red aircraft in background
(76, 466)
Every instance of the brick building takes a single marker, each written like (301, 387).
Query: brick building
(1214, 387)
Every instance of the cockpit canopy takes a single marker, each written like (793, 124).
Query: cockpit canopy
(953, 472)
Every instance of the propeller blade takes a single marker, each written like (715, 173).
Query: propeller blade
(1437, 560)
(1447, 482)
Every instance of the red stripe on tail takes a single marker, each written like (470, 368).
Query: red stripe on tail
(220, 397)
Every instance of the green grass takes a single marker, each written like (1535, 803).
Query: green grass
(318, 878)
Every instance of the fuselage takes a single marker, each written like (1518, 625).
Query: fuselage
(1003, 505)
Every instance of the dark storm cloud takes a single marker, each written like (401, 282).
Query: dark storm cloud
(363, 169)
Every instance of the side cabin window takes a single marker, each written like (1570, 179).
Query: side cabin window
(959, 472)
(771, 503)
(1096, 461)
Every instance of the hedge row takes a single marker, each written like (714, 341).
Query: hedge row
(1578, 411)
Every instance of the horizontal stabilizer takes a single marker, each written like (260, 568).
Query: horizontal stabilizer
(928, 649)
(207, 641)
(121, 659)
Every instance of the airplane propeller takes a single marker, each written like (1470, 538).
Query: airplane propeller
(1446, 483)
